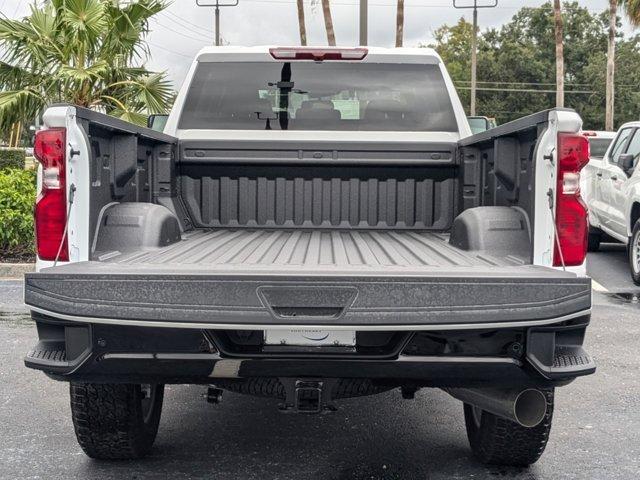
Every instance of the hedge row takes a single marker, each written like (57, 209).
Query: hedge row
(17, 197)
(11, 158)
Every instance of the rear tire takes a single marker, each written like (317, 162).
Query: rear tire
(634, 253)
(497, 441)
(595, 237)
(116, 421)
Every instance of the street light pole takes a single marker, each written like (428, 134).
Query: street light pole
(474, 45)
(217, 5)
(364, 14)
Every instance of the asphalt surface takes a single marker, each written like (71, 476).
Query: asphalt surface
(596, 432)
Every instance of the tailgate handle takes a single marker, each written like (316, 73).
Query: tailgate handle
(295, 302)
(315, 312)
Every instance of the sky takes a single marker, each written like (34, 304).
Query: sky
(183, 28)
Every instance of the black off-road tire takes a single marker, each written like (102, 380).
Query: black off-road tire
(497, 441)
(116, 421)
(634, 253)
(595, 237)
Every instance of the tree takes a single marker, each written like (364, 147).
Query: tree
(85, 52)
(399, 23)
(328, 23)
(632, 9)
(516, 64)
(301, 23)
(559, 36)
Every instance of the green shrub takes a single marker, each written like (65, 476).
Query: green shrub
(17, 196)
(11, 158)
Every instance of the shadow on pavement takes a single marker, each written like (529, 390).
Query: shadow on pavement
(368, 438)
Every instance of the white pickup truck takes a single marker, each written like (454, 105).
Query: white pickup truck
(313, 224)
(612, 191)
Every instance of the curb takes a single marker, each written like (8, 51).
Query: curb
(15, 270)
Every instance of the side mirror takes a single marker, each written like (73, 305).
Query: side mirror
(479, 124)
(157, 122)
(626, 161)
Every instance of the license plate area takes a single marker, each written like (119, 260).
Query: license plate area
(302, 337)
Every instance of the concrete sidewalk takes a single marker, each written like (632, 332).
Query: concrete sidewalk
(15, 270)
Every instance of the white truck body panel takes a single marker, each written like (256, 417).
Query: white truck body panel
(611, 192)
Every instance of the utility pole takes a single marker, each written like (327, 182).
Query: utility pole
(474, 43)
(364, 22)
(559, 37)
(217, 5)
(399, 23)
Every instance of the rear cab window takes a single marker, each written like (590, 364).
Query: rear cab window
(620, 144)
(318, 96)
(599, 146)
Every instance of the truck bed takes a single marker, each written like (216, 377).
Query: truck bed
(308, 252)
(244, 278)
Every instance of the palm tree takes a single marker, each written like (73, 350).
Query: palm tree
(301, 23)
(399, 23)
(611, 65)
(86, 52)
(632, 9)
(328, 23)
(557, 13)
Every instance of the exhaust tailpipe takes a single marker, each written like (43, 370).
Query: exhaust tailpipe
(526, 407)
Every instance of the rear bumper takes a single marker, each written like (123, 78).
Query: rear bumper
(94, 352)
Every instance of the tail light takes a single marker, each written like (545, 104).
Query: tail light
(571, 212)
(51, 204)
(318, 54)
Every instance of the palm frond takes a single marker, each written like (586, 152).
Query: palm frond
(85, 19)
(17, 105)
(130, 116)
(632, 10)
(151, 92)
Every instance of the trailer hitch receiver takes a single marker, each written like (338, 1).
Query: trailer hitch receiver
(307, 396)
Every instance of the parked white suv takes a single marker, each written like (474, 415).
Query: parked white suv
(613, 195)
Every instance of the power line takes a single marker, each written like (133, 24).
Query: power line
(201, 39)
(183, 22)
(171, 51)
(523, 83)
(539, 84)
(526, 90)
(412, 5)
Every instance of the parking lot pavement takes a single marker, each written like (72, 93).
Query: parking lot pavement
(609, 267)
(596, 431)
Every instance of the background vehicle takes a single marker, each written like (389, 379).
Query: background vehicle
(314, 224)
(614, 195)
(599, 142)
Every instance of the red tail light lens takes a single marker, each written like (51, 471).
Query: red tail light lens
(318, 54)
(571, 212)
(51, 204)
